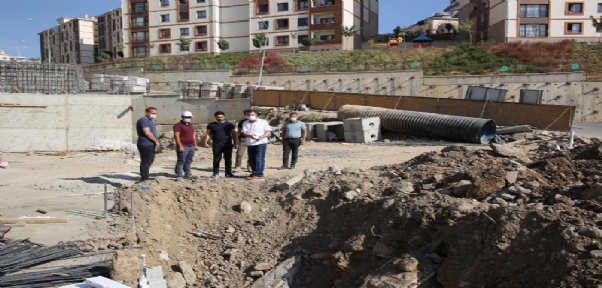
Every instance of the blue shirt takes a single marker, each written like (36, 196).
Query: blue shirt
(293, 130)
(144, 122)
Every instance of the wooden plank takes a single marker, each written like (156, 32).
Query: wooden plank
(32, 220)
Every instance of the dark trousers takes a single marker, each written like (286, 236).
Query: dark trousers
(290, 145)
(220, 149)
(147, 157)
(256, 156)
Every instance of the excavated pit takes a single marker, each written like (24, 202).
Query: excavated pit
(456, 218)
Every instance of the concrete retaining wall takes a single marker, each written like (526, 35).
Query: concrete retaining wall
(170, 108)
(62, 122)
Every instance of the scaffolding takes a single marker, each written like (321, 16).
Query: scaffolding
(42, 78)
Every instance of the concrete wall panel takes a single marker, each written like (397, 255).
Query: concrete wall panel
(66, 123)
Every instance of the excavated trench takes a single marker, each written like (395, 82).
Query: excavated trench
(455, 218)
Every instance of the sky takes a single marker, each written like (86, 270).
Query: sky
(18, 36)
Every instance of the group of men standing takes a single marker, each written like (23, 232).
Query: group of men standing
(250, 135)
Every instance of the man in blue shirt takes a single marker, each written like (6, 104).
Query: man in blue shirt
(148, 141)
(294, 133)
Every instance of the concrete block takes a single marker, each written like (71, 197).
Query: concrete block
(291, 182)
(157, 283)
(365, 136)
(361, 124)
(102, 282)
(338, 130)
(153, 273)
(323, 130)
(311, 131)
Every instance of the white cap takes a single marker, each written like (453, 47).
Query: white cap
(186, 114)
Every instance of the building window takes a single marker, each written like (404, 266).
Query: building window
(301, 22)
(200, 1)
(281, 24)
(164, 33)
(326, 37)
(184, 16)
(184, 32)
(282, 41)
(302, 5)
(574, 28)
(201, 14)
(282, 6)
(183, 2)
(301, 37)
(184, 48)
(140, 51)
(165, 48)
(263, 25)
(533, 11)
(331, 20)
(200, 30)
(326, 3)
(138, 37)
(164, 3)
(139, 7)
(263, 9)
(574, 8)
(164, 18)
(533, 30)
(201, 46)
(599, 7)
(138, 22)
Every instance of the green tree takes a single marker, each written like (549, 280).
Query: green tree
(348, 32)
(223, 45)
(103, 57)
(308, 42)
(597, 23)
(397, 31)
(184, 44)
(467, 27)
(120, 48)
(259, 39)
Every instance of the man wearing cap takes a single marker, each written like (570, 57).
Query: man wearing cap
(186, 145)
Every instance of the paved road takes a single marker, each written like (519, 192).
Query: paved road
(588, 129)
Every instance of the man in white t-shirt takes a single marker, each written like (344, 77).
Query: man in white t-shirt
(256, 132)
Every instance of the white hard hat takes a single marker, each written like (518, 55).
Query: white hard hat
(186, 114)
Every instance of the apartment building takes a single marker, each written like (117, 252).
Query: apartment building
(72, 41)
(532, 20)
(154, 27)
(110, 33)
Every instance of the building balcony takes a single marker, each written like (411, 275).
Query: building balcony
(139, 39)
(140, 25)
(323, 6)
(324, 26)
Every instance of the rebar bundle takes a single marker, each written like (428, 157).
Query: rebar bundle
(55, 277)
(43, 78)
(22, 254)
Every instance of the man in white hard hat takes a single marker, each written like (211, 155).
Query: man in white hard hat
(186, 145)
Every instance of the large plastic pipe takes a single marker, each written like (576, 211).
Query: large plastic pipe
(458, 128)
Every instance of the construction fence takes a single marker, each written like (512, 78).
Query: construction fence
(547, 117)
(41, 78)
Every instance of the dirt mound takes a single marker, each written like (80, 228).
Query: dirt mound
(456, 218)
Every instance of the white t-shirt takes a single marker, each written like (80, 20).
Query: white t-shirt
(257, 128)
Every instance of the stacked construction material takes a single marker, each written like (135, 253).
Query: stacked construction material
(119, 84)
(362, 130)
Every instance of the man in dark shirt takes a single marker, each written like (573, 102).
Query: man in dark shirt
(242, 148)
(224, 138)
(148, 141)
(186, 145)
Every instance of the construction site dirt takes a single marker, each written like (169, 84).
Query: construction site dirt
(402, 213)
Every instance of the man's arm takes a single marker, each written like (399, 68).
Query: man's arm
(147, 132)
(246, 133)
(268, 130)
(207, 138)
(303, 136)
(196, 141)
(176, 135)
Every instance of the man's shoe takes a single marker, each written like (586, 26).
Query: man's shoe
(292, 166)
(283, 168)
(250, 176)
(187, 176)
(230, 175)
(255, 177)
(215, 176)
(179, 179)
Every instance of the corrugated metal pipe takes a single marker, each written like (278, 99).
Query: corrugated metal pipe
(465, 129)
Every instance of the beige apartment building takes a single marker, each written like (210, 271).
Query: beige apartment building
(532, 20)
(72, 41)
(154, 27)
(110, 33)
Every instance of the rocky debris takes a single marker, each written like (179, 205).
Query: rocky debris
(349, 195)
(3, 230)
(408, 264)
(262, 266)
(509, 152)
(245, 207)
(126, 267)
(405, 187)
(593, 192)
(511, 177)
(187, 272)
(461, 188)
(281, 276)
(591, 232)
(595, 253)
(175, 280)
